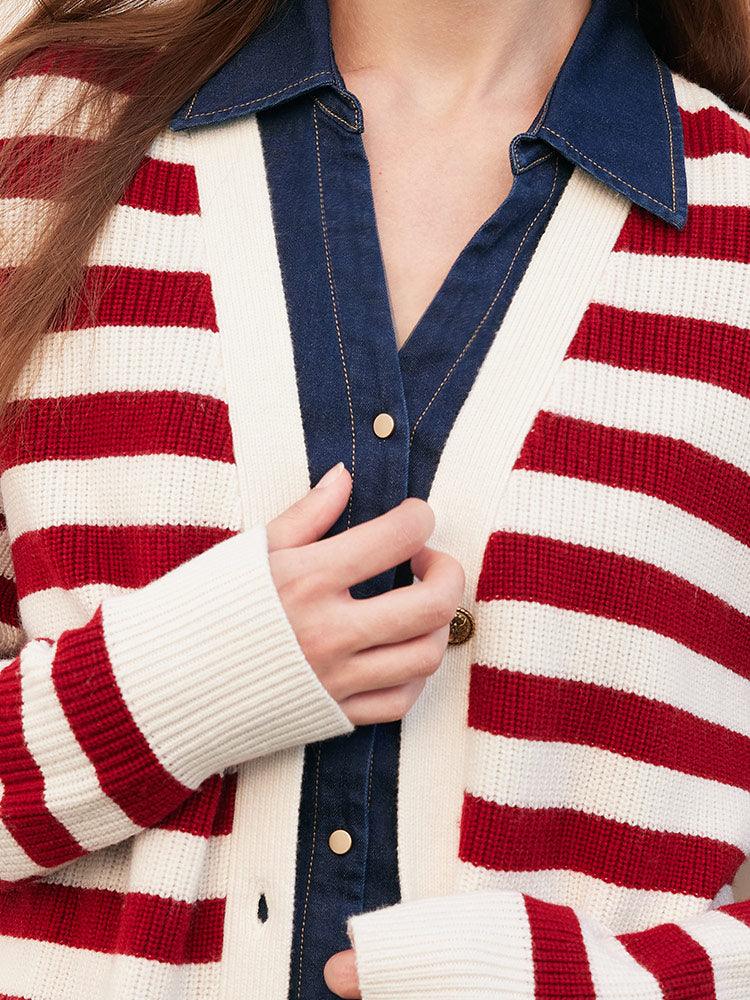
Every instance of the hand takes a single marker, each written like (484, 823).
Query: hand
(340, 974)
(373, 655)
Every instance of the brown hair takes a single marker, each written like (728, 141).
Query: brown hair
(148, 58)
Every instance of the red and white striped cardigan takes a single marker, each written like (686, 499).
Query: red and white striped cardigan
(574, 795)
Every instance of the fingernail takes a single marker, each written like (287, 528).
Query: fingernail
(331, 476)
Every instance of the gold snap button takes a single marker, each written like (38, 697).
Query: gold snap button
(461, 627)
(340, 841)
(383, 425)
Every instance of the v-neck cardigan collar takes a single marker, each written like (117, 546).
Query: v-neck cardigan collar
(466, 494)
(606, 807)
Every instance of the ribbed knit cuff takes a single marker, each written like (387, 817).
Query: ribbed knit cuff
(472, 945)
(210, 667)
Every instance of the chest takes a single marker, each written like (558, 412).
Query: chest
(338, 296)
(594, 486)
(435, 181)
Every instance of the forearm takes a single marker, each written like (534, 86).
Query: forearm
(109, 728)
(494, 943)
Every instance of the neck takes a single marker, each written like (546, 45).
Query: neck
(444, 47)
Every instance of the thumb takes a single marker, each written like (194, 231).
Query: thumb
(309, 518)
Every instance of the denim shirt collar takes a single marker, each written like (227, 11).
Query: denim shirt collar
(290, 55)
(611, 111)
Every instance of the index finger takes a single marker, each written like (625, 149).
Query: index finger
(374, 546)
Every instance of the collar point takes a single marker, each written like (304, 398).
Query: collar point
(679, 217)
(675, 216)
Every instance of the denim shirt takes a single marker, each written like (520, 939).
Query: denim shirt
(608, 112)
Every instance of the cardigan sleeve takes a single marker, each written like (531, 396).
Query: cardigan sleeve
(502, 944)
(109, 728)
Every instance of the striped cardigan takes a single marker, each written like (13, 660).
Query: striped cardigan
(574, 783)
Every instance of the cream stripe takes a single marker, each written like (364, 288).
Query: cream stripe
(596, 650)
(31, 105)
(124, 359)
(467, 491)
(692, 97)
(535, 774)
(15, 864)
(710, 418)
(172, 147)
(727, 942)
(36, 105)
(129, 238)
(134, 238)
(630, 524)
(620, 909)
(48, 612)
(39, 970)
(121, 490)
(721, 179)
(72, 792)
(36, 970)
(467, 946)
(715, 290)
(611, 966)
(266, 421)
(190, 867)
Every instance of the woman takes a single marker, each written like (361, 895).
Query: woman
(263, 741)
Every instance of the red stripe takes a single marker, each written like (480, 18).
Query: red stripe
(9, 613)
(74, 555)
(80, 62)
(41, 161)
(681, 967)
(38, 164)
(740, 911)
(128, 769)
(522, 706)
(561, 964)
(209, 812)
(160, 186)
(547, 571)
(133, 296)
(663, 467)
(515, 839)
(668, 345)
(710, 131)
(118, 423)
(144, 926)
(23, 809)
(713, 232)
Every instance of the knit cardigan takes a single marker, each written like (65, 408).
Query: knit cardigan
(574, 783)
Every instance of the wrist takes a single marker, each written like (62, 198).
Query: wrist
(210, 667)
